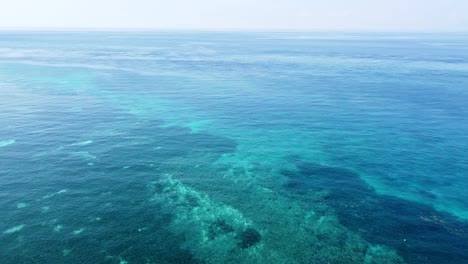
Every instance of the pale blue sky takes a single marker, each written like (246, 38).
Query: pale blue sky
(367, 15)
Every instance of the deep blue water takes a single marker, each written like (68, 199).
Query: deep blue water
(197, 147)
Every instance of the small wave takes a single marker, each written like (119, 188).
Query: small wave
(14, 229)
(7, 143)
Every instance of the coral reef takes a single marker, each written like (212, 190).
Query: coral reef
(274, 230)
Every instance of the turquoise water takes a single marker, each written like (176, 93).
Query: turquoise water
(196, 147)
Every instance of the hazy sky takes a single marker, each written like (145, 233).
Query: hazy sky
(369, 15)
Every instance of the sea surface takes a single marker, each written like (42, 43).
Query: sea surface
(233, 147)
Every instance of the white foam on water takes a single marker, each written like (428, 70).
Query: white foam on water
(14, 229)
(95, 219)
(82, 143)
(142, 229)
(45, 209)
(53, 194)
(79, 231)
(21, 205)
(58, 228)
(7, 143)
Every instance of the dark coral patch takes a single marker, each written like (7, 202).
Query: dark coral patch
(248, 238)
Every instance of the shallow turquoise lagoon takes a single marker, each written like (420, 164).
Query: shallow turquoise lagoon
(198, 147)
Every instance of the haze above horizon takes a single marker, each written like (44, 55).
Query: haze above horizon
(335, 15)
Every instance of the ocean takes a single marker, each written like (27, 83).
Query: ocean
(233, 147)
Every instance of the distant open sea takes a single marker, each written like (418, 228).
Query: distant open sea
(218, 147)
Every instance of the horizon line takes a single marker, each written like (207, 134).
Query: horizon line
(278, 30)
